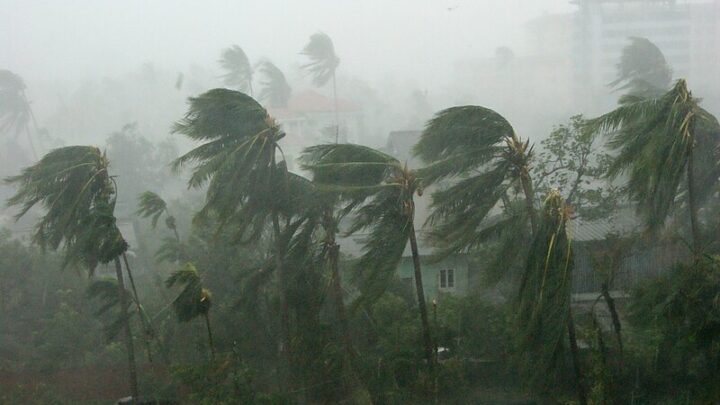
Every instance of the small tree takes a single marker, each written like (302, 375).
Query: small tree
(239, 74)
(194, 300)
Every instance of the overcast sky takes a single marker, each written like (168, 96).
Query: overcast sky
(76, 39)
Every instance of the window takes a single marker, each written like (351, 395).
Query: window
(447, 278)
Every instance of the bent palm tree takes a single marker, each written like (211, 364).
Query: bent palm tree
(544, 312)
(380, 190)
(642, 69)
(239, 70)
(75, 188)
(151, 205)
(194, 300)
(276, 90)
(322, 66)
(15, 111)
(656, 140)
(480, 147)
(238, 163)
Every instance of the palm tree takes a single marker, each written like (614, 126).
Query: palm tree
(276, 90)
(15, 111)
(544, 311)
(381, 191)
(656, 140)
(238, 162)
(322, 66)
(73, 185)
(642, 70)
(194, 300)
(239, 71)
(480, 147)
(151, 205)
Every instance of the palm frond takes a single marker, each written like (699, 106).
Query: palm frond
(642, 70)
(275, 88)
(193, 300)
(73, 186)
(467, 137)
(652, 138)
(544, 295)
(323, 60)
(15, 111)
(239, 72)
(151, 205)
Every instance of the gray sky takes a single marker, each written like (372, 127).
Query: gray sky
(376, 39)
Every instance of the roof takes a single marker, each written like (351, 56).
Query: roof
(622, 222)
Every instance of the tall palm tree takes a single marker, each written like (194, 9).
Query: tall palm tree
(656, 140)
(544, 311)
(642, 70)
(239, 71)
(381, 191)
(194, 300)
(74, 187)
(238, 163)
(15, 111)
(479, 148)
(322, 67)
(276, 90)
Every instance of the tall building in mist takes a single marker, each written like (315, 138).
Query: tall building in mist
(687, 32)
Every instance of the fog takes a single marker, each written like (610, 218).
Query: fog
(378, 201)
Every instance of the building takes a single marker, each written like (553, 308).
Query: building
(309, 119)
(687, 32)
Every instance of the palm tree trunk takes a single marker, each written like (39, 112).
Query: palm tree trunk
(527, 187)
(692, 203)
(141, 313)
(284, 308)
(128, 332)
(617, 326)
(427, 339)
(337, 117)
(210, 336)
(575, 353)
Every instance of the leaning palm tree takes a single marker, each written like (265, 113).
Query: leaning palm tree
(656, 141)
(246, 184)
(194, 300)
(544, 311)
(239, 71)
(15, 111)
(642, 70)
(73, 185)
(381, 191)
(322, 67)
(477, 149)
(151, 205)
(276, 90)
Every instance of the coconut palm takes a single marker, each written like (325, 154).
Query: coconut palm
(15, 111)
(276, 90)
(239, 71)
(238, 163)
(479, 148)
(381, 192)
(322, 67)
(74, 187)
(656, 141)
(151, 205)
(194, 300)
(544, 312)
(642, 70)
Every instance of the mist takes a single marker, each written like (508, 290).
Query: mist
(363, 202)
